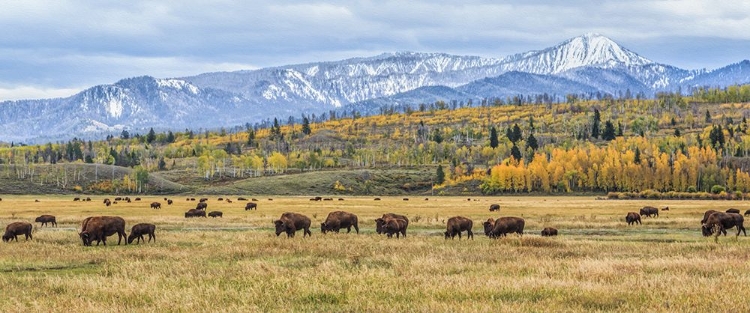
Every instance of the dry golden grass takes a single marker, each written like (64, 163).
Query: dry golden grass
(598, 263)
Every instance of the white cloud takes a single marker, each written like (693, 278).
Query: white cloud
(34, 92)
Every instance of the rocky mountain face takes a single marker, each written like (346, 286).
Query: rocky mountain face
(582, 65)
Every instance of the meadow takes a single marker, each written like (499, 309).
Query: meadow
(237, 263)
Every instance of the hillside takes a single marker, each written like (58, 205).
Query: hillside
(674, 143)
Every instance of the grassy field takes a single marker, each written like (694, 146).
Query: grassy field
(236, 263)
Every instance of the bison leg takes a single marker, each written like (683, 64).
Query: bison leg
(470, 234)
(356, 228)
(309, 233)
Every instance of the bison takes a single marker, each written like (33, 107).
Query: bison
(394, 225)
(488, 225)
(666, 208)
(215, 214)
(339, 219)
(169, 202)
(17, 228)
(733, 211)
(155, 205)
(241, 199)
(195, 213)
(44, 219)
(633, 218)
(100, 227)
(251, 206)
(380, 221)
(107, 202)
(507, 225)
(290, 223)
(458, 224)
(649, 210)
(718, 223)
(141, 229)
(747, 212)
(201, 206)
(549, 232)
(76, 199)
(203, 200)
(494, 207)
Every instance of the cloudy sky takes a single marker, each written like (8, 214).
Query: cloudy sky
(57, 48)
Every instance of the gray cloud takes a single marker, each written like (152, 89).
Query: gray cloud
(57, 46)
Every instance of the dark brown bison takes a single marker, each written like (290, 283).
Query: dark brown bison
(203, 200)
(494, 207)
(549, 232)
(253, 199)
(201, 206)
(44, 219)
(141, 229)
(381, 221)
(666, 208)
(137, 199)
(100, 227)
(251, 206)
(229, 200)
(394, 225)
(155, 205)
(339, 219)
(341, 199)
(747, 212)
(17, 228)
(241, 199)
(633, 218)
(733, 211)
(649, 211)
(507, 225)
(377, 199)
(327, 199)
(76, 199)
(107, 202)
(290, 223)
(195, 213)
(706, 215)
(215, 214)
(718, 223)
(118, 198)
(88, 199)
(489, 224)
(169, 201)
(220, 199)
(458, 224)
(406, 199)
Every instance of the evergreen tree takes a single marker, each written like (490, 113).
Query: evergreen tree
(306, 126)
(637, 158)
(708, 117)
(531, 122)
(250, 137)
(439, 175)
(595, 124)
(619, 129)
(609, 131)
(170, 137)
(162, 164)
(516, 133)
(531, 142)
(515, 153)
(677, 132)
(125, 134)
(151, 136)
(437, 136)
(493, 138)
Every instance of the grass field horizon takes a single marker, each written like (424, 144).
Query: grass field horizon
(237, 263)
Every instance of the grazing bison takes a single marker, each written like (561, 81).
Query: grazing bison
(76, 199)
(706, 215)
(456, 225)
(406, 199)
(507, 225)
(733, 211)
(633, 218)
(549, 232)
(339, 219)
(290, 223)
(381, 221)
(747, 212)
(718, 223)
(341, 199)
(220, 199)
(88, 199)
(169, 202)
(107, 202)
(195, 213)
(489, 224)
(666, 208)
(100, 227)
(17, 228)
(215, 214)
(141, 229)
(203, 200)
(251, 206)
(377, 199)
(137, 199)
(394, 225)
(118, 199)
(155, 205)
(494, 207)
(241, 199)
(201, 206)
(44, 219)
(649, 210)
(253, 199)
(229, 200)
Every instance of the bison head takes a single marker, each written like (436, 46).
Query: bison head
(7, 237)
(448, 234)
(706, 230)
(380, 225)
(323, 228)
(280, 227)
(487, 228)
(38, 219)
(85, 237)
(131, 238)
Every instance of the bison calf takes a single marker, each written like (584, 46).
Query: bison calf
(17, 228)
(549, 232)
(44, 219)
(394, 226)
(458, 224)
(141, 229)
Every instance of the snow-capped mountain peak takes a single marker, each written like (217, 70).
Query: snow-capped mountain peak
(587, 50)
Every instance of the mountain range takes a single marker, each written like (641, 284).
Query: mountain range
(587, 64)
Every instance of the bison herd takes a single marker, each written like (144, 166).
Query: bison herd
(98, 228)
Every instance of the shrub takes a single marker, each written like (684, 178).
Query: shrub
(691, 189)
(717, 189)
